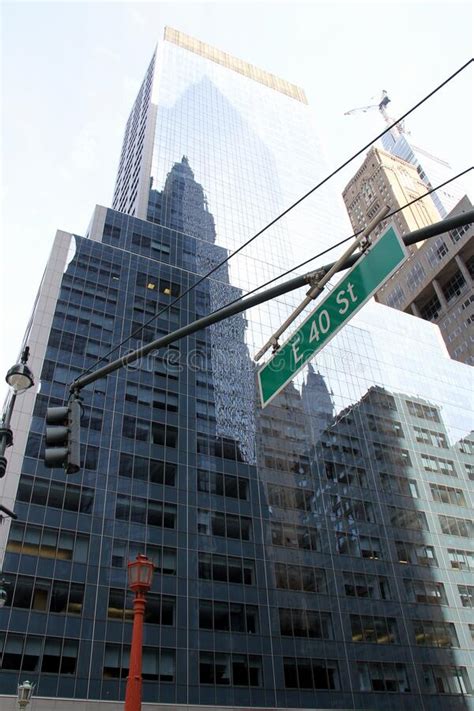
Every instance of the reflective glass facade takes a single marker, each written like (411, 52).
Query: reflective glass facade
(316, 554)
(432, 170)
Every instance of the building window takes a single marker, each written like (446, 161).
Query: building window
(352, 510)
(416, 554)
(457, 233)
(305, 623)
(466, 593)
(303, 673)
(453, 288)
(45, 595)
(50, 655)
(160, 609)
(227, 569)
(360, 546)
(438, 465)
(374, 587)
(447, 495)
(386, 426)
(396, 297)
(157, 664)
(352, 476)
(299, 577)
(234, 487)
(436, 439)
(461, 560)
(435, 634)
(456, 526)
(436, 252)
(111, 231)
(47, 543)
(153, 470)
(228, 617)
(154, 432)
(146, 511)
(230, 669)
(45, 492)
(406, 518)
(216, 523)
(290, 536)
(430, 311)
(380, 676)
(380, 630)
(164, 559)
(425, 591)
(286, 497)
(415, 276)
(446, 680)
(399, 485)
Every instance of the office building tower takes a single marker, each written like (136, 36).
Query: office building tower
(436, 284)
(382, 180)
(316, 554)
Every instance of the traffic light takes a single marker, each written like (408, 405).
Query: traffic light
(63, 437)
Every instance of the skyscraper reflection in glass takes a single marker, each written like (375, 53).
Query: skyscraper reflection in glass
(316, 554)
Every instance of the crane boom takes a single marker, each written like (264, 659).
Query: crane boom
(382, 107)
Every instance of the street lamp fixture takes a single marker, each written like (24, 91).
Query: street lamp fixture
(140, 573)
(25, 692)
(19, 378)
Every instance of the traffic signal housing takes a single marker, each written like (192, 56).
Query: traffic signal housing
(63, 437)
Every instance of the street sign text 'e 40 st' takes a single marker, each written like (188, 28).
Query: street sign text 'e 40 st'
(380, 261)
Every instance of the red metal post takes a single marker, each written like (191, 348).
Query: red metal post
(133, 694)
(140, 574)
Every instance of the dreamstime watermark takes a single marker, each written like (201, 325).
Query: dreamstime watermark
(172, 361)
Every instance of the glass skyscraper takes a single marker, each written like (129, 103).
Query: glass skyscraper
(317, 554)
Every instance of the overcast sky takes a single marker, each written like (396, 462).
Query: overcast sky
(71, 70)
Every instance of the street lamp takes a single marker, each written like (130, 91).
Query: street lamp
(25, 692)
(19, 378)
(140, 573)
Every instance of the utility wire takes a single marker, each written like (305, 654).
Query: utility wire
(281, 215)
(346, 239)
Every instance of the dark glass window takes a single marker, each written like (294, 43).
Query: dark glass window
(380, 630)
(230, 669)
(311, 673)
(305, 623)
(227, 569)
(144, 469)
(223, 616)
(382, 676)
(298, 577)
(234, 487)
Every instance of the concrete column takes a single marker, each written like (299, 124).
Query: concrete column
(463, 269)
(439, 294)
(415, 310)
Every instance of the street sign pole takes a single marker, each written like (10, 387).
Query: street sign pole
(380, 261)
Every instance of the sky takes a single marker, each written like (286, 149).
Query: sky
(70, 72)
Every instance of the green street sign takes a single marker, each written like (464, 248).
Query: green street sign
(353, 291)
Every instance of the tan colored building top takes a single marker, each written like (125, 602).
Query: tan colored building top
(237, 65)
(384, 179)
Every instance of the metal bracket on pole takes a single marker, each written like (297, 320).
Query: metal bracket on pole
(319, 278)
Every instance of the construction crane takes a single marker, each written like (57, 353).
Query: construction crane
(382, 107)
